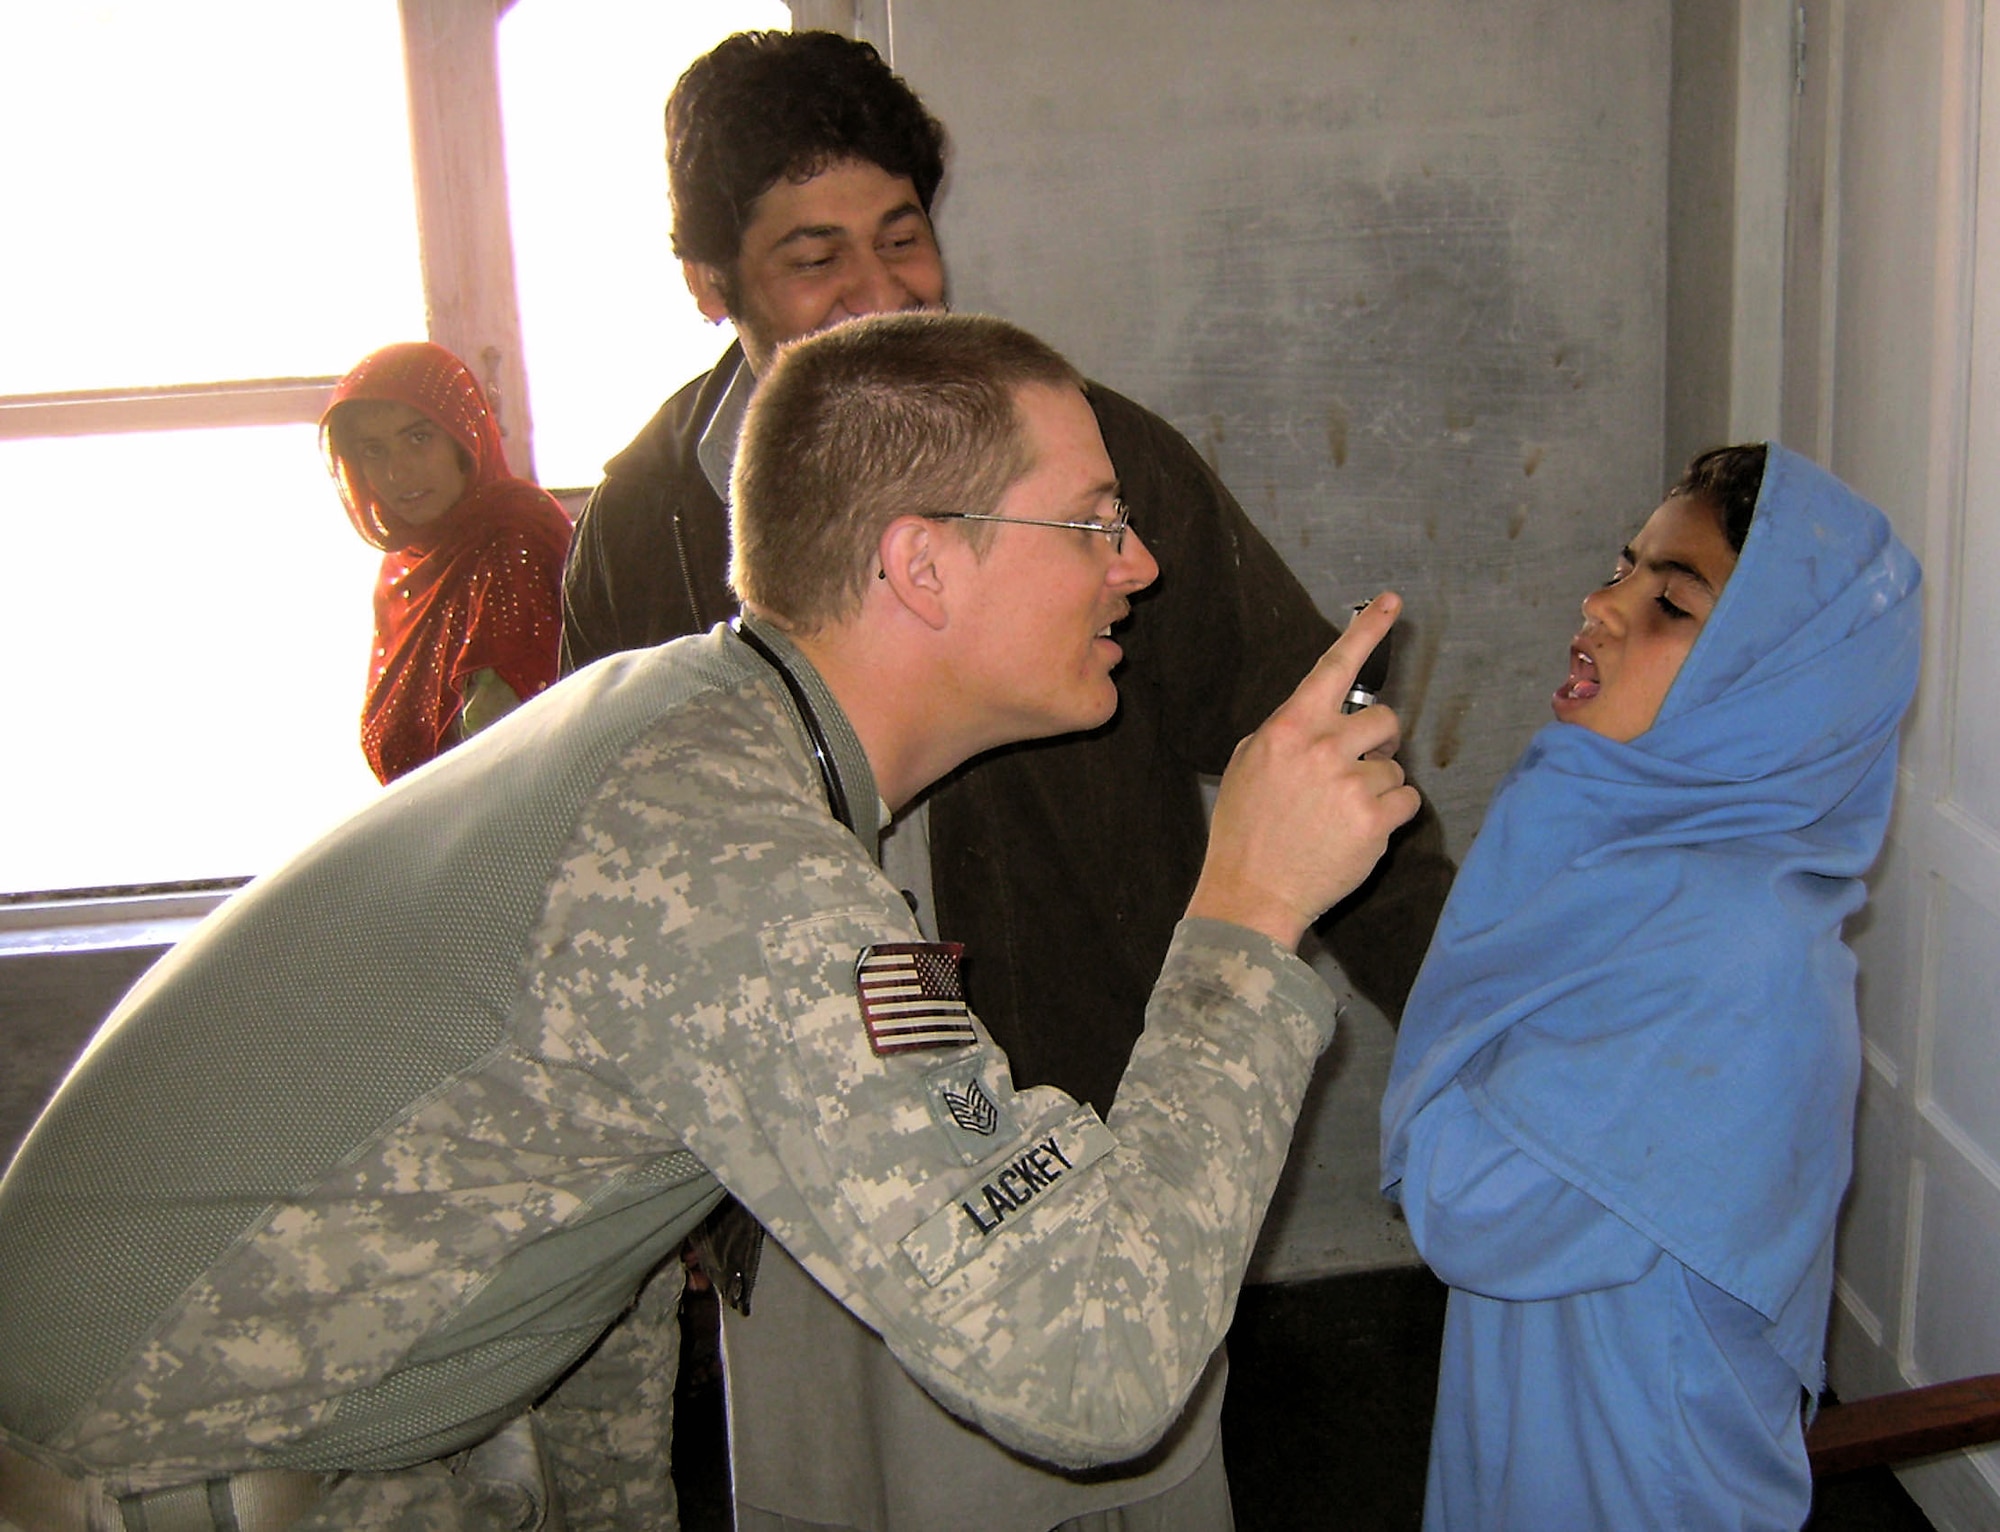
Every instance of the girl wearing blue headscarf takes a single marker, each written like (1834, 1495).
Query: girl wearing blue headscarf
(1620, 1112)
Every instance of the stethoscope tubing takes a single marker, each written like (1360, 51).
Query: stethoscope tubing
(822, 751)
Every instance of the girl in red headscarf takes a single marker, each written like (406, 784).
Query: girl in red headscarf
(468, 608)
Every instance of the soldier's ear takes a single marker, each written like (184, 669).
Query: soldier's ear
(708, 285)
(907, 565)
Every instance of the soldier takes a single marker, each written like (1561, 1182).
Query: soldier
(355, 1176)
(802, 173)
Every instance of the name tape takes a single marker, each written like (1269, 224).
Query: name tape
(1032, 1170)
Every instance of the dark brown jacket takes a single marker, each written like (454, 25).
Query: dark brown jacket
(1063, 865)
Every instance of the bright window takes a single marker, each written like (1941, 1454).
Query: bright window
(216, 191)
(608, 327)
(192, 613)
(204, 191)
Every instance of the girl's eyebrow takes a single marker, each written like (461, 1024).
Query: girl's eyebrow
(1666, 566)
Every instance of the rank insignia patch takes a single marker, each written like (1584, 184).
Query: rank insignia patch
(972, 1109)
(911, 996)
(971, 1112)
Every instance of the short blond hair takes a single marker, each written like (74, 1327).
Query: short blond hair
(889, 416)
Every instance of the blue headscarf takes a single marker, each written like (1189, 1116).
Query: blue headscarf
(1639, 978)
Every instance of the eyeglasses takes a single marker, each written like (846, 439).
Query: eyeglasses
(1113, 529)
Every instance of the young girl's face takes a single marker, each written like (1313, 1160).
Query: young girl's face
(1639, 625)
(412, 466)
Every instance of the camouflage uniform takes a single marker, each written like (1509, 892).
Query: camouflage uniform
(1065, 864)
(363, 1168)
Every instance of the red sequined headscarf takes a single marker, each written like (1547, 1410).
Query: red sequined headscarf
(433, 382)
(478, 589)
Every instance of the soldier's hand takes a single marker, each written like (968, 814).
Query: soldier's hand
(1309, 800)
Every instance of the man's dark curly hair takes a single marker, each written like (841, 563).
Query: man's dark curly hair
(1728, 480)
(765, 105)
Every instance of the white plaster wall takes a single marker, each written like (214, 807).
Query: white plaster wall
(1397, 267)
(1893, 330)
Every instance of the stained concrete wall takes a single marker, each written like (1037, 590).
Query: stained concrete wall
(1701, 238)
(1398, 268)
(50, 1004)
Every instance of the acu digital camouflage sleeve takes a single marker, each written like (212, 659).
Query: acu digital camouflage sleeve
(1059, 1283)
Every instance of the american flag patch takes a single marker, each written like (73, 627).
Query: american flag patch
(911, 996)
